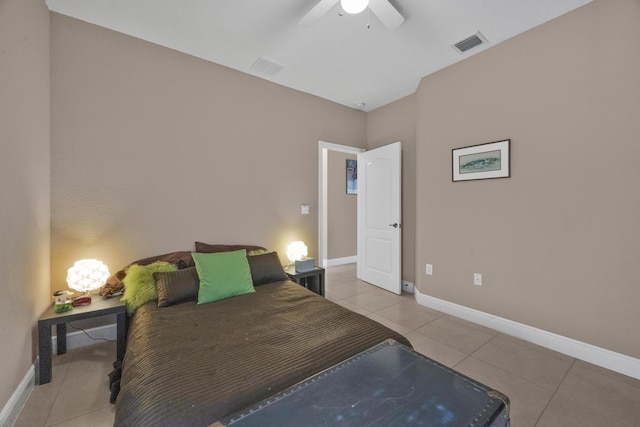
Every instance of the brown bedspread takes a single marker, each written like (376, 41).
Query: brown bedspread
(190, 365)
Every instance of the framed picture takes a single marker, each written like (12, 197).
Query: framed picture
(352, 176)
(484, 161)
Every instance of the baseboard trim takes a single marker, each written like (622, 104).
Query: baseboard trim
(77, 339)
(341, 261)
(80, 339)
(19, 398)
(608, 359)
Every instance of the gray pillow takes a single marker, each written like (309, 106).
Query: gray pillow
(177, 286)
(266, 268)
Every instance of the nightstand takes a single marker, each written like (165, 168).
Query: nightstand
(99, 307)
(312, 279)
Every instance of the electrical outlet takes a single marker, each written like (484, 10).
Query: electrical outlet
(304, 209)
(477, 279)
(430, 269)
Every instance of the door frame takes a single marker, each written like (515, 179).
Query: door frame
(323, 208)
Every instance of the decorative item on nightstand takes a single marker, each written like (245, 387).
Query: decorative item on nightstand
(85, 276)
(62, 301)
(297, 252)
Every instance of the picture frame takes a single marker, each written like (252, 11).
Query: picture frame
(352, 176)
(484, 161)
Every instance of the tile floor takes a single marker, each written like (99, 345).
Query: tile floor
(546, 388)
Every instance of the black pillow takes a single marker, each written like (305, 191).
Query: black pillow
(266, 268)
(177, 286)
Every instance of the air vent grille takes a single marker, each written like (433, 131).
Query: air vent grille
(266, 67)
(470, 42)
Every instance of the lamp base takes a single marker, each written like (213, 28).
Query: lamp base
(81, 300)
(306, 264)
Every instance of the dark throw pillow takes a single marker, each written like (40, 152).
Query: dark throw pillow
(206, 248)
(266, 268)
(140, 285)
(177, 286)
(115, 284)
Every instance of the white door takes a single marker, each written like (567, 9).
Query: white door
(379, 216)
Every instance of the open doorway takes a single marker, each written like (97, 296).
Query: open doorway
(325, 152)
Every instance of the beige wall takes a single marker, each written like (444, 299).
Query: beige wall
(154, 149)
(558, 243)
(342, 215)
(24, 183)
(385, 125)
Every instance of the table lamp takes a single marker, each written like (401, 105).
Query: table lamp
(297, 252)
(85, 276)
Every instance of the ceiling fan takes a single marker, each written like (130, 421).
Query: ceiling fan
(384, 10)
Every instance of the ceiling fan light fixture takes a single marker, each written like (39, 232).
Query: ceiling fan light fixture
(354, 6)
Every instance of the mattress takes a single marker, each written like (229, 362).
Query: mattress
(191, 365)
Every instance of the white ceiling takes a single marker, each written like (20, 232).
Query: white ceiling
(337, 58)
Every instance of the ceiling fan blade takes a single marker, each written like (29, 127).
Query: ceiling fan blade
(318, 11)
(387, 14)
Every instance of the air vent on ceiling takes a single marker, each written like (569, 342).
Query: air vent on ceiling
(266, 67)
(470, 42)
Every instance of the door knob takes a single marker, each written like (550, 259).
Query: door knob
(394, 225)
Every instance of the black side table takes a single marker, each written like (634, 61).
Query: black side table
(99, 307)
(312, 279)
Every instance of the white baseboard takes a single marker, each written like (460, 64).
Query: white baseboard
(19, 398)
(608, 359)
(340, 261)
(76, 339)
(79, 339)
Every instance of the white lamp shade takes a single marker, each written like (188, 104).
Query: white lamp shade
(297, 251)
(87, 275)
(354, 6)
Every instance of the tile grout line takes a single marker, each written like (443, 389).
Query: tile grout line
(555, 392)
(76, 417)
(554, 389)
(517, 374)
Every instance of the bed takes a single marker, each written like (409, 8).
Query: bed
(190, 364)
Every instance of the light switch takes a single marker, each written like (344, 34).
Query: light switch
(430, 269)
(477, 279)
(304, 209)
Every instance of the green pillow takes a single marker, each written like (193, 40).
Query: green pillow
(222, 275)
(139, 284)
